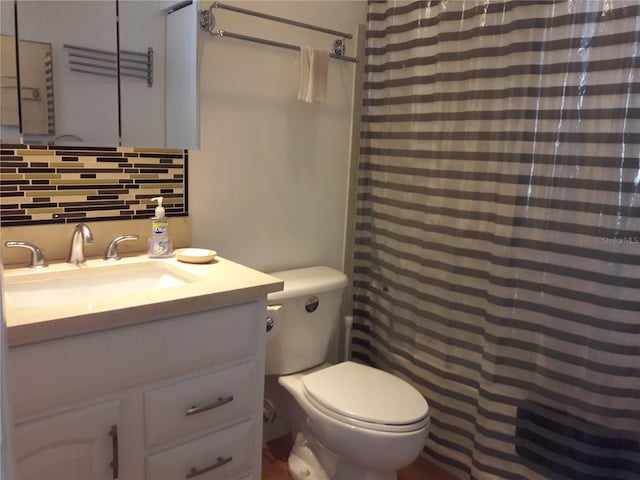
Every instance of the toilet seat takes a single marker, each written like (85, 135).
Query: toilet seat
(366, 397)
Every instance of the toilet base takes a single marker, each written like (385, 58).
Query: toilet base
(304, 463)
(309, 460)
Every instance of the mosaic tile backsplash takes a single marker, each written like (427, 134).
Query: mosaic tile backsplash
(40, 184)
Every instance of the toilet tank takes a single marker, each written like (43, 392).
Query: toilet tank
(307, 320)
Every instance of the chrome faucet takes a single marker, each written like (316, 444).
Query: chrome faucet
(81, 236)
(37, 259)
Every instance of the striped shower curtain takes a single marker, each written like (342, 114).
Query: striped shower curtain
(497, 246)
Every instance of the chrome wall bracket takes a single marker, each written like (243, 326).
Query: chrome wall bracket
(207, 20)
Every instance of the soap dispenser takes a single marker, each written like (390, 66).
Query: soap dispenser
(159, 245)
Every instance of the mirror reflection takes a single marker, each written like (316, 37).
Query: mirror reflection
(85, 99)
(36, 87)
(164, 114)
(142, 34)
(68, 71)
(9, 120)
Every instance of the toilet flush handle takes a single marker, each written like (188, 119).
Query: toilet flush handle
(272, 311)
(311, 305)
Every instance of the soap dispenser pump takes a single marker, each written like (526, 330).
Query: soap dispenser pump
(159, 245)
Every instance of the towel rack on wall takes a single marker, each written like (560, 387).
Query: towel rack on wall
(208, 23)
(103, 63)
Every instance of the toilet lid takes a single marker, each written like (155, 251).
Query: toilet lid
(368, 395)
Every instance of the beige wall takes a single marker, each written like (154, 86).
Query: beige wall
(268, 188)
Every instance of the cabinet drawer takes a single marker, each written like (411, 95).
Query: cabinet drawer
(224, 455)
(50, 374)
(199, 404)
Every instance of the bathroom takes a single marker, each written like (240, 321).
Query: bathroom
(271, 185)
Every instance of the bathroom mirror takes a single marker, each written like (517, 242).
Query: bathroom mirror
(9, 120)
(81, 35)
(156, 104)
(36, 89)
(162, 110)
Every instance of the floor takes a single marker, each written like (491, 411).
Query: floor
(274, 464)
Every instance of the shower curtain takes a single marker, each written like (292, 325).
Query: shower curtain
(497, 245)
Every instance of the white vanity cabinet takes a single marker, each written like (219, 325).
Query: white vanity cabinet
(167, 399)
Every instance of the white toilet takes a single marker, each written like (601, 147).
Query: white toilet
(349, 421)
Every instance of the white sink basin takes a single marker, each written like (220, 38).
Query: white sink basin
(85, 284)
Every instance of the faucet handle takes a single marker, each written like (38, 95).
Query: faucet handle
(112, 251)
(37, 259)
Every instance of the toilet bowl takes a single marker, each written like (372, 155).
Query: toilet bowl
(350, 421)
(374, 422)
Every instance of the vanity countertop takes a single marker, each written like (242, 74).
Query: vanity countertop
(216, 284)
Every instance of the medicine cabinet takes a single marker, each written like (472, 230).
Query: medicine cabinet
(76, 89)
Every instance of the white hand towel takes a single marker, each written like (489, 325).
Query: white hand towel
(314, 67)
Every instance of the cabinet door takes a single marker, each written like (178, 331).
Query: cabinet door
(75, 444)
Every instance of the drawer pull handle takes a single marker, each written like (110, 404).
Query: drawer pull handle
(194, 472)
(115, 462)
(218, 403)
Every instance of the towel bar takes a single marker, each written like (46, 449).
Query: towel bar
(208, 23)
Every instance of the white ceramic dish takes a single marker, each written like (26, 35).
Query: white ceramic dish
(195, 255)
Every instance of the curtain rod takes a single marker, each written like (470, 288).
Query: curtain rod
(281, 20)
(288, 46)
